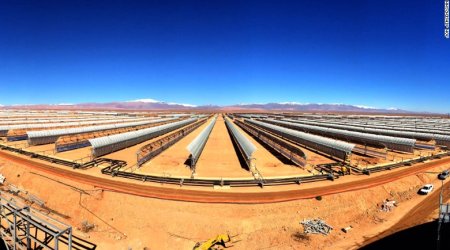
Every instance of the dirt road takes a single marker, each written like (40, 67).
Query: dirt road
(183, 194)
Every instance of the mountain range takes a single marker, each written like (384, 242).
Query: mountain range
(151, 104)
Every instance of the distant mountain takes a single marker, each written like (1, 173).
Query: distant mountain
(313, 107)
(151, 104)
(140, 104)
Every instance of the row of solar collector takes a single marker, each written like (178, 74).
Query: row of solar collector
(425, 121)
(108, 144)
(440, 127)
(420, 134)
(365, 117)
(444, 122)
(245, 146)
(51, 136)
(47, 112)
(443, 127)
(196, 146)
(398, 127)
(58, 120)
(440, 139)
(376, 118)
(336, 148)
(39, 115)
(29, 114)
(443, 140)
(394, 122)
(417, 121)
(408, 126)
(4, 129)
(390, 142)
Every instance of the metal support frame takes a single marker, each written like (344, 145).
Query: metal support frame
(24, 228)
(444, 214)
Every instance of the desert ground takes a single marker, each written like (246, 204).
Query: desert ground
(131, 213)
(125, 221)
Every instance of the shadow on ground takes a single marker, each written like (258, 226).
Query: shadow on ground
(419, 237)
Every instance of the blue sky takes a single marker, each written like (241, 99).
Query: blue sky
(375, 53)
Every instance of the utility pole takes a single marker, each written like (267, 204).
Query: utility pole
(438, 242)
(444, 214)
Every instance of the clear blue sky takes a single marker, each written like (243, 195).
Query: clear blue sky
(380, 53)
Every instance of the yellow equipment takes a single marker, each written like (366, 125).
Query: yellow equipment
(345, 170)
(219, 240)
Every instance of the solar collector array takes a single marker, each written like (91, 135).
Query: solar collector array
(405, 126)
(38, 121)
(335, 148)
(387, 126)
(394, 143)
(108, 144)
(440, 139)
(51, 136)
(4, 129)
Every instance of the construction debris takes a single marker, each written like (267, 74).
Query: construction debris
(388, 205)
(316, 226)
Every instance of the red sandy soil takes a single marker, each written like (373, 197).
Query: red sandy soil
(123, 221)
(234, 195)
